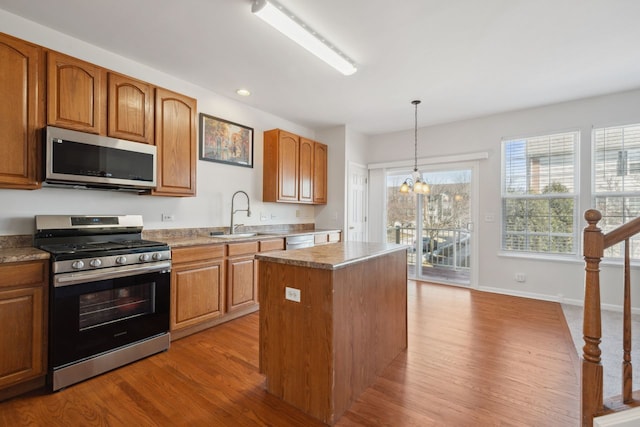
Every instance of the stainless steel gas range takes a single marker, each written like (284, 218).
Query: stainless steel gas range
(109, 294)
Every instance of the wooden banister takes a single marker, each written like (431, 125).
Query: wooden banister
(593, 249)
(595, 242)
(621, 233)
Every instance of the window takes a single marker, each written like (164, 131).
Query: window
(616, 180)
(539, 198)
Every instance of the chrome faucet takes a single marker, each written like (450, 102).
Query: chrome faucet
(248, 210)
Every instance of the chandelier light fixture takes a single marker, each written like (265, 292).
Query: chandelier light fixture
(415, 182)
(289, 25)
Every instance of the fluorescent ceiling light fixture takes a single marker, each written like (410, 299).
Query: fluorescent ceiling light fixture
(285, 22)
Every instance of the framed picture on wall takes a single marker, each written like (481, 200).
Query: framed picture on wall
(223, 141)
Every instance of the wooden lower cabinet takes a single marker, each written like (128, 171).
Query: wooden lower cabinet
(197, 286)
(23, 313)
(242, 288)
(212, 284)
(241, 282)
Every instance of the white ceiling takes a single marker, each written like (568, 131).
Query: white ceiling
(462, 58)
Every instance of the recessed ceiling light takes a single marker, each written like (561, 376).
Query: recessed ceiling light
(243, 92)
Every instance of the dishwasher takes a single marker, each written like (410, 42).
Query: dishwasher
(299, 241)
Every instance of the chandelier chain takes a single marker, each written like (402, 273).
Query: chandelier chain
(415, 137)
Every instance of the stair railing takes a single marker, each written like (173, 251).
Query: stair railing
(595, 242)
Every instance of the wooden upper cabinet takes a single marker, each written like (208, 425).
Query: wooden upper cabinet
(288, 158)
(75, 94)
(21, 112)
(306, 171)
(320, 152)
(130, 109)
(175, 137)
(281, 164)
(295, 169)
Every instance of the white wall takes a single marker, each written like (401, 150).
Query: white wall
(216, 182)
(553, 278)
(332, 215)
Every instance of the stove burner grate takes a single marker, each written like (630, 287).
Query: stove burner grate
(72, 248)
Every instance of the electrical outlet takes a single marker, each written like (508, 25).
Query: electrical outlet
(297, 213)
(521, 277)
(263, 216)
(168, 217)
(292, 294)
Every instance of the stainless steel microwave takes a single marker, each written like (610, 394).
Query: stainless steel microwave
(94, 161)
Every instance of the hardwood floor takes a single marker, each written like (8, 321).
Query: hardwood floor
(474, 359)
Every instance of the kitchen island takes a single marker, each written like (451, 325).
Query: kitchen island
(331, 319)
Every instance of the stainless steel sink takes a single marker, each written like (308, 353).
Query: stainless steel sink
(234, 236)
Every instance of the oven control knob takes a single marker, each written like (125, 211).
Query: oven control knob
(144, 257)
(95, 262)
(77, 265)
(121, 260)
(157, 256)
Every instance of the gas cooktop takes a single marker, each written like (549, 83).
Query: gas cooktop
(71, 248)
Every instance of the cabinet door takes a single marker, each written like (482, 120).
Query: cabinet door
(21, 336)
(22, 316)
(320, 173)
(306, 171)
(175, 138)
(21, 112)
(241, 282)
(130, 109)
(197, 293)
(75, 94)
(288, 158)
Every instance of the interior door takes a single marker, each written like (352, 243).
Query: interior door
(357, 203)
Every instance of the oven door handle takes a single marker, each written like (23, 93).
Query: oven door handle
(68, 279)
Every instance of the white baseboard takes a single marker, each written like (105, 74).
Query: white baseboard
(628, 418)
(560, 299)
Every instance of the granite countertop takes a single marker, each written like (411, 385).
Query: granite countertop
(22, 254)
(18, 248)
(331, 257)
(176, 241)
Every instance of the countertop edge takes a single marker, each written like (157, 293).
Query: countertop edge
(11, 255)
(300, 257)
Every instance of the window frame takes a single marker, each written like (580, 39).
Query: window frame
(615, 253)
(574, 196)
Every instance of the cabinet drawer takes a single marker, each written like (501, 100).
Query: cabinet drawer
(242, 248)
(272, 245)
(196, 253)
(23, 273)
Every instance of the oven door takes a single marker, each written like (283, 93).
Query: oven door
(94, 317)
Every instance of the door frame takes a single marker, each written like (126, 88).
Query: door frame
(473, 166)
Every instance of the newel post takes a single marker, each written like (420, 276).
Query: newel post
(592, 399)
